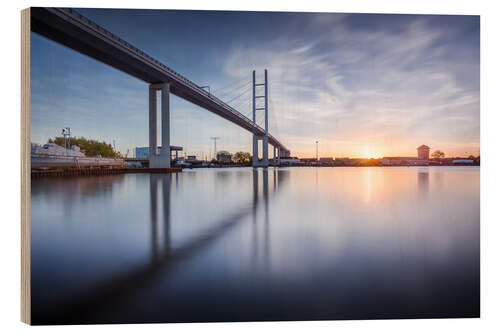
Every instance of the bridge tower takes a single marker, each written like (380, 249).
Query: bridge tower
(161, 160)
(264, 138)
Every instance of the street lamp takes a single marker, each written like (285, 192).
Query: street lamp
(215, 138)
(66, 133)
(317, 150)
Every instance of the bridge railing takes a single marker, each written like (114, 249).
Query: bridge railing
(176, 75)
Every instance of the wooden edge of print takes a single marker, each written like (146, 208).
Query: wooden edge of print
(25, 168)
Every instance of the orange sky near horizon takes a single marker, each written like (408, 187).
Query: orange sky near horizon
(361, 150)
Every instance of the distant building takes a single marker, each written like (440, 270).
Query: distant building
(421, 159)
(346, 161)
(290, 161)
(423, 152)
(224, 157)
(418, 162)
(463, 161)
(143, 152)
(191, 159)
(308, 160)
(326, 160)
(397, 160)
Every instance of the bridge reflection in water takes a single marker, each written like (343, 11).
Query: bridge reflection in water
(85, 306)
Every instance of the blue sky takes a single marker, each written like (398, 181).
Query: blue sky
(363, 85)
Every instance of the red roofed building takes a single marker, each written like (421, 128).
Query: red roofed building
(423, 152)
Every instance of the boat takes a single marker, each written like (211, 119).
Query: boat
(51, 155)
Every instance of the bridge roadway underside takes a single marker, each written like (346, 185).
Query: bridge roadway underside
(85, 37)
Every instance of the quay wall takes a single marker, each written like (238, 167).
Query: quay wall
(97, 172)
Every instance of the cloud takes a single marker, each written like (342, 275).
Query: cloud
(372, 87)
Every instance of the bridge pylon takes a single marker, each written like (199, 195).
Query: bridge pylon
(264, 138)
(161, 160)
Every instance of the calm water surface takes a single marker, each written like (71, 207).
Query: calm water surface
(239, 245)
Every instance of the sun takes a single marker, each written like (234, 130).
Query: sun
(369, 152)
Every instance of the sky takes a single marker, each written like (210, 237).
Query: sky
(362, 85)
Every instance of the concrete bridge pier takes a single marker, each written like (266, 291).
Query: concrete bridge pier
(255, 154)
(161, 160)
(265, 151)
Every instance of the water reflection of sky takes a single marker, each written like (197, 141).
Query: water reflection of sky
(238, 244)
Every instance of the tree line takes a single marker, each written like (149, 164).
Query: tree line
(90, 147)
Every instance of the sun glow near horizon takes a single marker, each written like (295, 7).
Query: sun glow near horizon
(379, 151)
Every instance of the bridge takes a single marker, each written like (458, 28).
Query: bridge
(69, 28)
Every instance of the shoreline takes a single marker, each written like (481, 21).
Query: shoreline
(35, 174)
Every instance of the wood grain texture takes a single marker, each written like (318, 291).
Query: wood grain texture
(25, 168)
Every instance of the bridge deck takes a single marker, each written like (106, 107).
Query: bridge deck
(69, 28)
